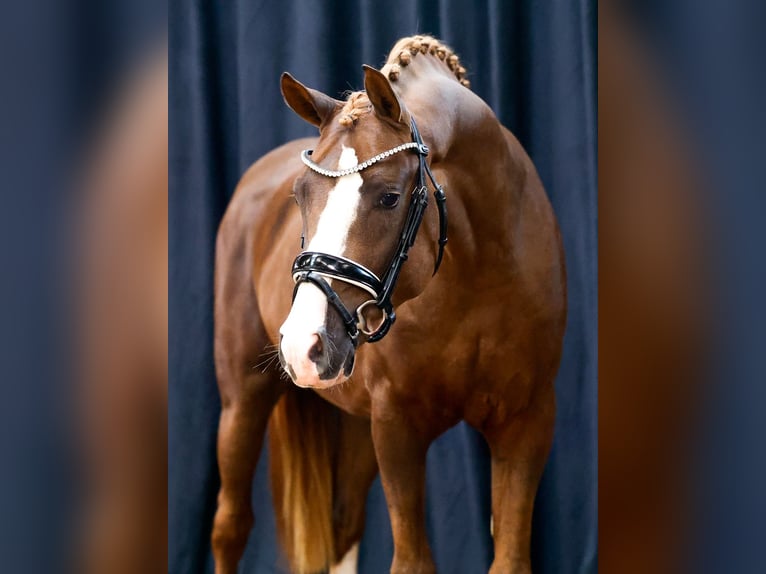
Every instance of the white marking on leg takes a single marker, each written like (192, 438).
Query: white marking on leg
(309, 309)
(350, 562)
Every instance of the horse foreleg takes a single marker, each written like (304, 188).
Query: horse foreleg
(519, 448)
(240, 437)
(401, 448)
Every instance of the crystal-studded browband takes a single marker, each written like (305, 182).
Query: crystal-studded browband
(306, 158)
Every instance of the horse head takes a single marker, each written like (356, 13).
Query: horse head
(360, 217)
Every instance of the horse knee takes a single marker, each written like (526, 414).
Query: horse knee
(230, 531)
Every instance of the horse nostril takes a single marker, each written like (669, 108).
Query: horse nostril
(316, 352)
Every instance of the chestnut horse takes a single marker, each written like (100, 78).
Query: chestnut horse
(479, 340)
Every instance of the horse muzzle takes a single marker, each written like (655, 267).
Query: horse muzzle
(316, 360)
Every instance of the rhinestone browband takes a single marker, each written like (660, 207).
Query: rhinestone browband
(306, 158)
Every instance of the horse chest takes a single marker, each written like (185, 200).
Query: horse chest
(352, 397)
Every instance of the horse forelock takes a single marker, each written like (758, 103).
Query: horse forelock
(407, 50)
(357, 104)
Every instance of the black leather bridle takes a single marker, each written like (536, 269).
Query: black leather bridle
(315, 267)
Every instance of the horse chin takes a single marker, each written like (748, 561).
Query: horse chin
(317, 382)
(320, 384)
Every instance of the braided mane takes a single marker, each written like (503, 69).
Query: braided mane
(406, 49)
(401, 55)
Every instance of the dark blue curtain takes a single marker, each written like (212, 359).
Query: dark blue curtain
(535, 64)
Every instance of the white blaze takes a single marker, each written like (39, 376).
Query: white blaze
(310, 306)
(340, 211)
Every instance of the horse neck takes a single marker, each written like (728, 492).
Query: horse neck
(483, 178)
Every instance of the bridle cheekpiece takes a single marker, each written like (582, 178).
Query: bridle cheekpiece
(316, 268)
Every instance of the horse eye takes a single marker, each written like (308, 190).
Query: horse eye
(389, 200)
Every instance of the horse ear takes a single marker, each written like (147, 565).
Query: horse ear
(382, 96)
(312, 105)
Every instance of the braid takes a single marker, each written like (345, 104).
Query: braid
(408, 48)
(357, 105)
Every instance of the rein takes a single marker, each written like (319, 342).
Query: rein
(315, 267)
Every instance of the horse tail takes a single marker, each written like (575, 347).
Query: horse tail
(303, 434)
